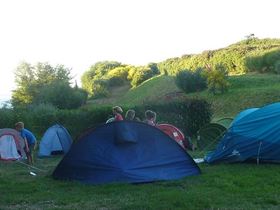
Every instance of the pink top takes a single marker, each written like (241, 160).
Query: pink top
(118, 117)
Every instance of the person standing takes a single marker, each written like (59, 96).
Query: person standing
(29, 141)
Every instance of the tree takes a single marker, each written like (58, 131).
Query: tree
(66, 98)
(24, 79)
(43, 83)
(97, 72)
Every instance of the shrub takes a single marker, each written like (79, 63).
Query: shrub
(115, 81)
(79, 98)
(7, 118)
(41, 117)
(263, 61)
(190, 81)
(141, 75)
(217, 79)
(77, 121)
(277, 67)
(100, 89)
(117, 76)
(188, 115)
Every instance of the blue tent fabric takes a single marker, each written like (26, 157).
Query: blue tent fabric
(243, 114)
(125, 151)
(255, 136)
(56, 138)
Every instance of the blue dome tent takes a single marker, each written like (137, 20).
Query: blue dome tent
(253, 135)
(56, 140)
(125, 151)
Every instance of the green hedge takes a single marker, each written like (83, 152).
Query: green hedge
(188, 115)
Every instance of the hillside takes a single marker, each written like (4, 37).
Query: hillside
(247, 56)
(252, 55)
(249, 90)
(252, 64)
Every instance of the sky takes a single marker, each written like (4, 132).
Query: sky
(79, 33)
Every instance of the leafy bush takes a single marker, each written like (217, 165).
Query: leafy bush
(190, 81)
(263, 60)
(100, 89)
(277, 67)
(41, 117)
(117, 76)
(77, 121)
(141, 75)
(217, 79)
(7, 118)
(233, 57)
(188, 115)
(97, 72)
(115, 81)
(61, 95)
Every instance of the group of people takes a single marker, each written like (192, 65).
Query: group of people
(30, 139)
(150, 116)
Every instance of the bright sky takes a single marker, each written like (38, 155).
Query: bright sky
(79, 33)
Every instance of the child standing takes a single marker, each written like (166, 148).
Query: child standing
(29, 140)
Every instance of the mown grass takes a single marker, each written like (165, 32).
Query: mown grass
(224, 186)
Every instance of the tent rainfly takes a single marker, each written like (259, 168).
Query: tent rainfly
(11, 144)
(253, 135)
(125, 151)
(56, 140)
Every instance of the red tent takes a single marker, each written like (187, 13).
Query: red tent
(11, 144)
(175, 134)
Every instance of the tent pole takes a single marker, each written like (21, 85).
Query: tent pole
(30, 166)
(258, 158)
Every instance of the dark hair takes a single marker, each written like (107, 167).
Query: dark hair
(150, 114)
(130, 114)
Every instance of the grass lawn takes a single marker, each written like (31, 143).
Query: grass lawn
(224, 186)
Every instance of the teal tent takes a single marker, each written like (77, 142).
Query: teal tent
(253, 135)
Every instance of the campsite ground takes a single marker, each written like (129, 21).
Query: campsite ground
(222, 186)
(234, 186)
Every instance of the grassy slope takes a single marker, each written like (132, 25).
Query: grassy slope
(151, 89)
(251, 90)
(246, 91)
(148, 90)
